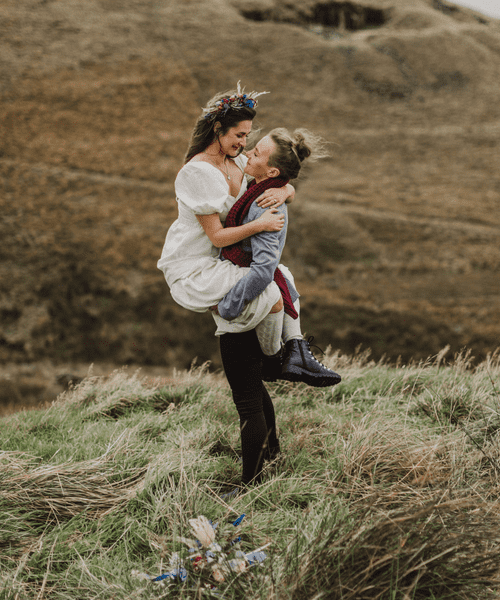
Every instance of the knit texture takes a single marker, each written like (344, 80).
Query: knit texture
(291, 327)
(269, 333)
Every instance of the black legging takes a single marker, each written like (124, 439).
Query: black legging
(242, 360)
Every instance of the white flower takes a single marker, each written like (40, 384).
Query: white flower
(189, 542)
(140, 575)
(218, 573)
(203, 530)
(175, 561)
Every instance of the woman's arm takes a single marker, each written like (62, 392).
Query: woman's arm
(271, 220)
(276, 196)
(291, 193)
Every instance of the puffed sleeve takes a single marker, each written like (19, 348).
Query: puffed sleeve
(202, 188)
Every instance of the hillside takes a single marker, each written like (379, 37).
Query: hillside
(393, 240)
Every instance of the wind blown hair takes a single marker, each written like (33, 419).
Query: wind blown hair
(204, 131)
(293, 149)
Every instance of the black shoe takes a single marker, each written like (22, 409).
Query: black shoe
(272, 452)
(299, 364)
(271, 366)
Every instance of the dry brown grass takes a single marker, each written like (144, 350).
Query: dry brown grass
(443, 550)
(55, 493)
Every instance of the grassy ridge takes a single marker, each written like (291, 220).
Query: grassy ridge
(387, 486)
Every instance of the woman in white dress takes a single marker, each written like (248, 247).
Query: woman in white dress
(206, 187)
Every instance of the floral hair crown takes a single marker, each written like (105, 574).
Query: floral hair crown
(236, 101)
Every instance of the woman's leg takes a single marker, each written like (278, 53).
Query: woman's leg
(273, 445)
(291, 327)
(270, 329)
(269, 332)
(242, 360)
(298, 362)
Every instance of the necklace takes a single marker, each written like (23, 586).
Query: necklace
(224, 167)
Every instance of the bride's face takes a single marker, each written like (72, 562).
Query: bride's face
(235, 140)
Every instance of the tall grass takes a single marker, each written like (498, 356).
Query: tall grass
(387, 487)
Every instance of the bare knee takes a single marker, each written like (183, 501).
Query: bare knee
(277, 307)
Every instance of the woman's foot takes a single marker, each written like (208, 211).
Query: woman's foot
(272, 452)
(299, 364)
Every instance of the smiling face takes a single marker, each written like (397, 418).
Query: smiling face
(258, 160)
(234, 141)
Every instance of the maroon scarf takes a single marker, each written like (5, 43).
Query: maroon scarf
(242, 258)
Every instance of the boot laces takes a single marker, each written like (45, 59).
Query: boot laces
(310, 345)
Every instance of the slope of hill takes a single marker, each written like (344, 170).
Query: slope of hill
(393, 240)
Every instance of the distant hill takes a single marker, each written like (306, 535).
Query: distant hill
(393, 240)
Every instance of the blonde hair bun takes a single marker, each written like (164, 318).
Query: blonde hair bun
(292, 149)
(301, 146)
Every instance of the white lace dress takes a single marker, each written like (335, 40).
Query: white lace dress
(197, 278)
